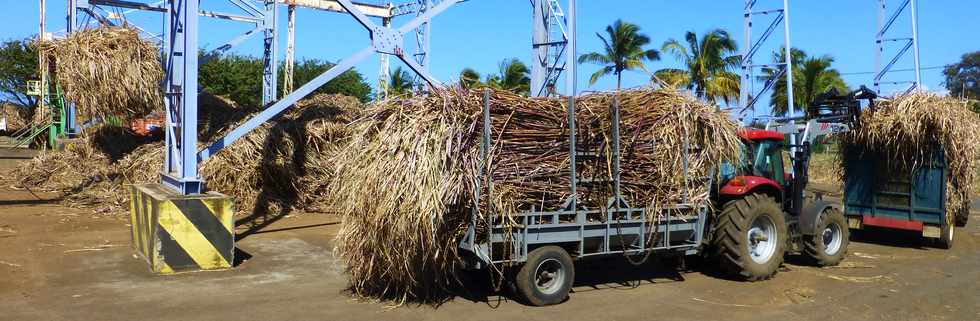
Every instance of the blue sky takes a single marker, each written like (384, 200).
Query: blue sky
(480, 33)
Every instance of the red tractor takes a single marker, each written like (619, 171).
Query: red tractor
(762, 209)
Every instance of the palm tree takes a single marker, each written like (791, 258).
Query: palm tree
(469, 78)
(400, 82)
(709, 65)
(812, 76)
(623, 51)
(514, 76)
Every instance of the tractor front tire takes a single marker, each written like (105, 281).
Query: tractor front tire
(546, 277)
(749, 237)
(828, 244)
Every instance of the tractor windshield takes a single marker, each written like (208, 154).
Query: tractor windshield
(767, 160)
(759, 158)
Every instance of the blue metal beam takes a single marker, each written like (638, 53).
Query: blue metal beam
(180, 93)
(381, 43)
(270, 53)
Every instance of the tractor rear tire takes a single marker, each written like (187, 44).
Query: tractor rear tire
(546, 277)
(828, 245)
(739, 246)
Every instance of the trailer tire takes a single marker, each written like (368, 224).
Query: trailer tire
(546, 277)
(828, 245)
(963, 215)
(732, 242)
(945, 240)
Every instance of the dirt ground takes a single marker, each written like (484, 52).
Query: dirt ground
(65, 264)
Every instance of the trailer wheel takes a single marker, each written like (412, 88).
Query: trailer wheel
(546, 277)
(749, 237)
(945, 240)
(828, 245)
(963, 215)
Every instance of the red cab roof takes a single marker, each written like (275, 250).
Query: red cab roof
(760, 134)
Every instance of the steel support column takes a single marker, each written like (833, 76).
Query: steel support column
(572, 86)
(287, 82)
(781, 69)
(905, 43)
(548, 44)
(270, 70)
(180, 97)
(423, 37)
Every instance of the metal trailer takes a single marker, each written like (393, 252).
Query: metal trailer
(574, 231)
(913, 201)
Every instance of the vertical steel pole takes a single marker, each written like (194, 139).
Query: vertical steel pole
(879, 45)
(539, 48)
(72, 125)
(188, 114)
(384, 71)
(287, 82)
(572, 91)
(915, 44)
(271, 44)
(427, 38)
(790, 103)
(43, 71)
(181, 65)
(743, 97)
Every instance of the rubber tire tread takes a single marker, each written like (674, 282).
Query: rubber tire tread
(524, 280)
(813, 247)
(730, 239)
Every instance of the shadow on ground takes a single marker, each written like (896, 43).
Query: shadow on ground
(890, 237)
(614, 273)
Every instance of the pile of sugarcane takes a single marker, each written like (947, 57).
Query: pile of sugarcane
(405, 185)
(906, 132)
(283, 165)
(108, 72)
(14, 117)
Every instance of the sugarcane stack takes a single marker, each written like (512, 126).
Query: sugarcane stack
(405, 183)
(909, 130)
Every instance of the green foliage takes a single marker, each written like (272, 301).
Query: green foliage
(469, 78)
(239, 78)
(963, 78)
(514, 76)
(812, 76)
(236, 77)
(400, 82)
(623, 50)
(350, 83)
(18, 63)
(710, 65)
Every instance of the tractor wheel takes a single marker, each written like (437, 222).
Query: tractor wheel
(749, 237)
(546, 277)
(828, 245)
(963, 215)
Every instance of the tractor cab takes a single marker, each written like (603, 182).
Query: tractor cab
(761, 169)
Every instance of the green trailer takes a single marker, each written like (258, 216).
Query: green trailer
(914, 200)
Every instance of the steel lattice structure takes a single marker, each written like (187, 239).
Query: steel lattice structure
(748, 98)
(553, 49)
(549, 43)
(783, 69)
(907, 43)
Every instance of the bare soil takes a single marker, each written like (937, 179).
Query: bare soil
(65, 264)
